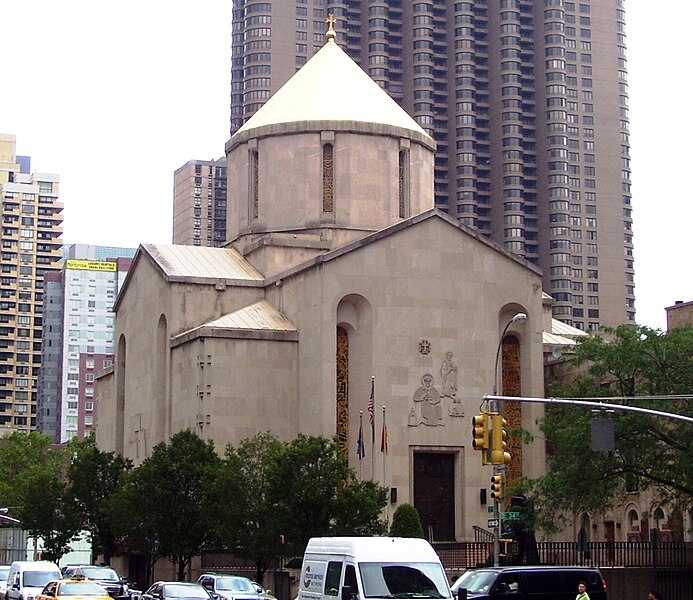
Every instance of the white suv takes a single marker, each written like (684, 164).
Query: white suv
(229, 587)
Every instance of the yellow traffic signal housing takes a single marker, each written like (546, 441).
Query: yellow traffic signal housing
(497, 486)
(499, 441)
(480, 435)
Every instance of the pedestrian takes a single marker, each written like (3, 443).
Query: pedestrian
(582, 592)
(654, 595)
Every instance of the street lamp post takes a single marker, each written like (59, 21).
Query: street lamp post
(494, 406)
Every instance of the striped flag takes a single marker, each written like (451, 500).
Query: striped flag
(360, 447)
(383, 435)
(371, 409)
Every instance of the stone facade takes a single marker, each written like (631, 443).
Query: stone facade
(284, 328)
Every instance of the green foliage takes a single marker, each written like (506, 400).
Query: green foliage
(406, 522)
(248, 521)
(170, 490)
(650, 451)
(94, 476)
(18, 452)
(291, 491)
(47, 509)
(309, 480)
(185, 499)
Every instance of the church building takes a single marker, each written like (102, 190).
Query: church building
(340, 282)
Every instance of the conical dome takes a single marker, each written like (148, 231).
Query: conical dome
(331, 87)
(328, 159)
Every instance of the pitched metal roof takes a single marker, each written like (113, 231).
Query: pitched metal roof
(562, 334)
(261, 315)
(201, 262)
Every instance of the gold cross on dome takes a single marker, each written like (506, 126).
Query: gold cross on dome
(331, 20)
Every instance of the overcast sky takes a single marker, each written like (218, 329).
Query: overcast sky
(114, 96)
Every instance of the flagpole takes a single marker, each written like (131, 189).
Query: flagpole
(384, 449)
(371, 412)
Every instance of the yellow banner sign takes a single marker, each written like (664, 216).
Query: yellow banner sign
(91, 265)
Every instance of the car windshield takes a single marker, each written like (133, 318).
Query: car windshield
(4, 572)
(476, 582)
(235, 584)
(179, 590)
(81, 588)
(413, 580)
(39, 579)
(103, 573)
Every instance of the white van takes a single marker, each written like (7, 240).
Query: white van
(357, 568)
(27, 578)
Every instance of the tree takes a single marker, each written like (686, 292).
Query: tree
(358, 508)
(249, 525)
(94, 477)
(309, 480)
(627, 362)
(406, 522)
(18, 452)
(290, 491)
(167, 497)
(47, 510)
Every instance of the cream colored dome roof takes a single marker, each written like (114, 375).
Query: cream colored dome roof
(332, 87)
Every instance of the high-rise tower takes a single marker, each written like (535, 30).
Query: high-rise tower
(31, 242)
(199, 203)
(527, 101)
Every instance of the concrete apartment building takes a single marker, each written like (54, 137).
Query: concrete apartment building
(199, 203)
(31, 242)
(78, 337)
(527, 102)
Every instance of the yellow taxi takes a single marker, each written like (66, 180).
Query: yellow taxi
(73, 589)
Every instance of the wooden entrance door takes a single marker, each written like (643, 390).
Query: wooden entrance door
(434, 494)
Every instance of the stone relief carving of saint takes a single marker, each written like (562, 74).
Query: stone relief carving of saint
(429, 400)
(448, 374)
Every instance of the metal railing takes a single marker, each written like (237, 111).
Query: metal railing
(458, 556)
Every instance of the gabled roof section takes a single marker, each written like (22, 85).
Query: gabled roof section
(562, 334)
(332, 87)
(257, 321)
(198, 262)
(433, 213)
(194, 264)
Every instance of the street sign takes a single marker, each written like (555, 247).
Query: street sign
(510, 516)
(493, 523)
(491, 509)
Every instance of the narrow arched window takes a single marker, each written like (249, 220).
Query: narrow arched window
(403, 177)
(342, 407)
(254, 185)
(327, 178)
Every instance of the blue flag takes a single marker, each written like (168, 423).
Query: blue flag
(360, 447)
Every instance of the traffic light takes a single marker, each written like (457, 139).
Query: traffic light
(480, 435)
(499, 441)
(497, 486)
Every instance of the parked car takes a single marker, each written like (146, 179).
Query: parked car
(67, 589)
(4, 572)
(230, 587)
(529, 583)
(176, 590)
(116, 586)
(27, 578)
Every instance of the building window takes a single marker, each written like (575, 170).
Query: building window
(328, 178)
(403, 184)
(254, 181)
